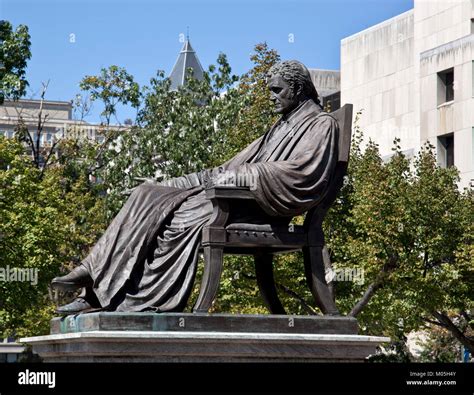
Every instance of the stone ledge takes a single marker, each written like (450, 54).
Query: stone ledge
(152, 346)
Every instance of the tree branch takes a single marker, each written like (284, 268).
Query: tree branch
(433, 322)
(289, 292)
(293, 294)
(378, 283)
(21, 126)
(41, 122)
(111, 134)
(51, 151)
(466, 341)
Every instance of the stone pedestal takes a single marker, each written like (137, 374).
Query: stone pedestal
(181, 337)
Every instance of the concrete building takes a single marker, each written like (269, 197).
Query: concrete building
(59, 114)
(328, 85)
(58, 120)
(413, 76)
(10, 351)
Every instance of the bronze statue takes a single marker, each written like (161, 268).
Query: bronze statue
(147, 257)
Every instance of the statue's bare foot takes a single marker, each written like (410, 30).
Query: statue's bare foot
(78, 278)
(78, 305)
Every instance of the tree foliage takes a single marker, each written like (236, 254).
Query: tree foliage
(14, 55)
(403, 224)
(177, 132)
(47, 223)
(255, 114)
(188, 128)
(409, 228)
(112, 86)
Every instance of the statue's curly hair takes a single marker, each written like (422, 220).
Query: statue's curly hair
(297, 75)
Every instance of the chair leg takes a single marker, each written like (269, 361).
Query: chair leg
(266, 283)
(315, 276)
(213, 258)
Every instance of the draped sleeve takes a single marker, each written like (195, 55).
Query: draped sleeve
(291, 187)
(207, 176)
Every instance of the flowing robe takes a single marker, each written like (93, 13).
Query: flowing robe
(147, 257)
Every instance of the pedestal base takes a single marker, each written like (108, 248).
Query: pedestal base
(180, 337)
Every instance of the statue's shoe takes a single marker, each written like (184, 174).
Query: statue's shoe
(78, 278)
(78, 305)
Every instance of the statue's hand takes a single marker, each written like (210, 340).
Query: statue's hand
(225, 178)
(206, 178)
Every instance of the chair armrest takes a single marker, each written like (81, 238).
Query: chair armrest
(229, 192)
(214, 230)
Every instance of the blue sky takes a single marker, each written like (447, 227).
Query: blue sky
(143, 35)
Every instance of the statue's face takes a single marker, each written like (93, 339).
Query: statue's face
(282, 95)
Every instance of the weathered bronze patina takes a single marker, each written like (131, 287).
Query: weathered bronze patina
(147, 258)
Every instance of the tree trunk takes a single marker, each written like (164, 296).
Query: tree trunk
(466, 341)
(378, 283)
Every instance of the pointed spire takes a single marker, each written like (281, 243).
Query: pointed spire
(187, 58)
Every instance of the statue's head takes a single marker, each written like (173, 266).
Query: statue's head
(290, 84)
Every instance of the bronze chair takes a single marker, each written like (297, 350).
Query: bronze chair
(263, 240)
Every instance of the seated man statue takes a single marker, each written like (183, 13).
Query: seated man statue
(147, 257)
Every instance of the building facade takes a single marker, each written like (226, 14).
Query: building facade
(56, 117)
(328, 85)
(413, 78)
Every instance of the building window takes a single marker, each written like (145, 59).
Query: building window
(46, 139)
(446, 150)
(446, 86)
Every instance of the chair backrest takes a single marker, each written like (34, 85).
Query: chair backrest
(343, 116)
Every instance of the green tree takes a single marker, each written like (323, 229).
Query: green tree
(177, 132)
(112, 86)
(409, 228)
(14, 55)
(439, 346)
(47, 223)
(255, 114)
(185, 128)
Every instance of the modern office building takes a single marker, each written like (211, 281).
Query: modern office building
(413, 78)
